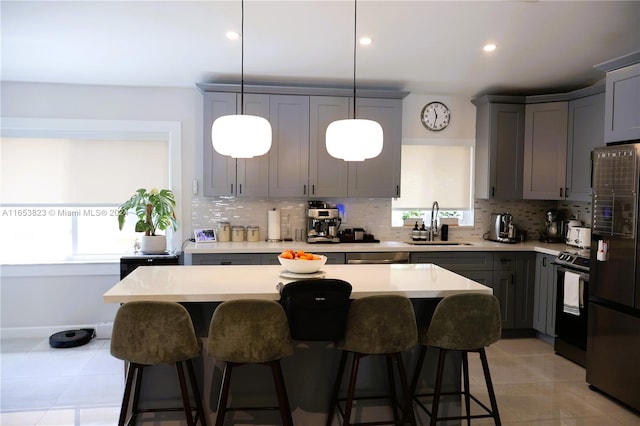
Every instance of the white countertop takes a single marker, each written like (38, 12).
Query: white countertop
(220, 283)
(383, 246)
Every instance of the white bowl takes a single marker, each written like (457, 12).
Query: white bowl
(299, 266)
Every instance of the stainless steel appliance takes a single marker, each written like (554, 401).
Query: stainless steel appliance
(572, 286)
(552, 232)
(322, 224)
(501, 228)
(613, 344)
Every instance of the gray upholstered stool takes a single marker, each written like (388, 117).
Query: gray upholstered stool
(467, 323)
(153, 333)
(250, 332)
(376, 325)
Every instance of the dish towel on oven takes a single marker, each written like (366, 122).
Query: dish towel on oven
(572, 293)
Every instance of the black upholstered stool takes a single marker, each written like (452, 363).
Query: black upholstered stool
(316, 308)
(467, 323)
(250, 332)
(153, 333)
(376, 325)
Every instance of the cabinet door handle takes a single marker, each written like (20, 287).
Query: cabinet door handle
(226, 262)
(493, 191)
(313, 189)
(240, 188)
(304, 189)
(397, 190)
(544, 261)
(561, 196)
(231, 189)
(513, 279)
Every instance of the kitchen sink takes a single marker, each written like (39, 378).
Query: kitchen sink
(437, 243)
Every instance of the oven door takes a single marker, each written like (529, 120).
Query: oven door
(571, 325)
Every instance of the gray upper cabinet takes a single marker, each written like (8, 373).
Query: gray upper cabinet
(289, 154)
(223, 175)
(622, 110)
(545, 151)
(499, 147)
(586, 128)
(328, 176)
(379, 177)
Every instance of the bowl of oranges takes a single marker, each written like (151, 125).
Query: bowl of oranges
(300, 262)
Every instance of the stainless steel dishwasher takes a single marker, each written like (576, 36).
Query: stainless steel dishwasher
(378, 257)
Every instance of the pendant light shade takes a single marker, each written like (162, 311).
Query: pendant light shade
(354, 139)
(240, 135)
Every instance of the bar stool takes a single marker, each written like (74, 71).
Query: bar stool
(250, 332)
(152, 333)
(466, 322)
(316, 308)
(376, 325)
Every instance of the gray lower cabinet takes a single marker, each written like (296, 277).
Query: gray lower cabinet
(585, 130)
(253, 258)
(544, 302)
(499, 147)
(513, 279)
(545, 151)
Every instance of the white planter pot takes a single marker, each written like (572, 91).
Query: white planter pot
(153, 244)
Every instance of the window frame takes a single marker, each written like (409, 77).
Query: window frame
(166, 131)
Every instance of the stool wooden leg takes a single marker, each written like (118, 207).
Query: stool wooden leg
(131, 372)
(418, 371)
(466, 391)
(196, 393)
(136, 392)
(492, 396)
(281, 392)
(438, 387)
(186, 404)
(224, 394)
(336, 388)
(352, 389)
(405, 390)
(392, 387)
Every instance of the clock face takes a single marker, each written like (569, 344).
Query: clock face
(435, 116)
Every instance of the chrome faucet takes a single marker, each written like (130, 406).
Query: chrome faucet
(433, 231)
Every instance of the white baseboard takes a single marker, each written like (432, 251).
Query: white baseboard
(40, 332)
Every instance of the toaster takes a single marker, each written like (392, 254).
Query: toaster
(579, 236)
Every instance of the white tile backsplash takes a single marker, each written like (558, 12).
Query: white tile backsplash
(374, 215)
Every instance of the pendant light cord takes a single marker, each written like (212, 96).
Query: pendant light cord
(242, 61)
(355, 38)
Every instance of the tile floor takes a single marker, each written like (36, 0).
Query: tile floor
(83, 386)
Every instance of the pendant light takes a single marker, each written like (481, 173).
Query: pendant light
(240, 135)
(354, 139)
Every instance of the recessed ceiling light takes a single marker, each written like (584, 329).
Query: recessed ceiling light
(233, 35)
(365, 41)
(490, 47)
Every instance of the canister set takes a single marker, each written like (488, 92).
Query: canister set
(237, 233)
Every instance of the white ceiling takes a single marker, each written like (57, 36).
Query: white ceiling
(430, 47)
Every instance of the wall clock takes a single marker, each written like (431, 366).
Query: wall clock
(435, 116)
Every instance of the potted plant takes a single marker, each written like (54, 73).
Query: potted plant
(155, 211)
(409, 218)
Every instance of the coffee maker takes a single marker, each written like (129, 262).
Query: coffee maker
(501, 228)
(323, 223)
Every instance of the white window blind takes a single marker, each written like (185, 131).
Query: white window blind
(439, 173)
(79, 171)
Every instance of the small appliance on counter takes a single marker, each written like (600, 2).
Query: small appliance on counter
(501, 228)
(552, 231)
(579, 236)
(323, 223)
(356, 235)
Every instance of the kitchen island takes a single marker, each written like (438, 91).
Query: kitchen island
(310, 371)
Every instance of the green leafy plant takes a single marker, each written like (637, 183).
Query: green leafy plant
(154, 208)
(411, 214)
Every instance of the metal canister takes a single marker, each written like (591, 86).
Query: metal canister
(237, 233)
(224, 232)
(253, 233)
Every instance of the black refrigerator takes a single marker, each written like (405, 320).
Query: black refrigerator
(613, 336)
